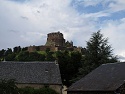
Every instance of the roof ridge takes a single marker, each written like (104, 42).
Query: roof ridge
(27, 62)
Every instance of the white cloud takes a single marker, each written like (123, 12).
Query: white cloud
(109, 6)
(114, 30)
(91, 2)
(116, 6)
(32, 20)
(97, 14)
(27, 23)
(106, 3)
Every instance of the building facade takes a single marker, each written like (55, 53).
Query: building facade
(33, 74)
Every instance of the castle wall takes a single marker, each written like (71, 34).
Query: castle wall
(43, 48)
(32, 48)
(55, 39)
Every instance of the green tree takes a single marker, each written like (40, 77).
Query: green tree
(63, 59)
(97, 52)
(34, 56)
(75, 64)
(2, 54)
(25, 49)
(23, 56)
(8, 87)
(8, 54)
(69, 63)
(76, 58)
(8, 51)
(10, 57)
(17, 49)
(49, 55)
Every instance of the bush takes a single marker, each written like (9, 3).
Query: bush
(8, 87)
(29, 90)
(45, 91)
(26, 90)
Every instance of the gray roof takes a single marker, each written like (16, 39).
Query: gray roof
(31, 72)
(107, 77)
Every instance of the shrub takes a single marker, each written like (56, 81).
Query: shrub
(26, 90)
(29, 90)
(8, 87)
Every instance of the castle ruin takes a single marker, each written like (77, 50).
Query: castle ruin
(55, 42)
(55, 39)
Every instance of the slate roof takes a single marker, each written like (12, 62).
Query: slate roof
(31, 72)
(107, 77)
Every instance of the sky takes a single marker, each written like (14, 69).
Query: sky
(27, 22)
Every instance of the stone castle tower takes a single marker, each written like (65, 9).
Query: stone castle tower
(55, 39)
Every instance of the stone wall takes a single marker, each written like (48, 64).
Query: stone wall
(55, 39)
(32, 48)
(42, 48)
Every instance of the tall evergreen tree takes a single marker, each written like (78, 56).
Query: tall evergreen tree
(97, 52)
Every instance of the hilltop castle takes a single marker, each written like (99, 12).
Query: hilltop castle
(55, 42)
(55, 39)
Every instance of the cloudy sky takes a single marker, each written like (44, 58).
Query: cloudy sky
(27, 22)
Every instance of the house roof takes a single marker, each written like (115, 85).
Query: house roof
(107, 77)
(31, 72)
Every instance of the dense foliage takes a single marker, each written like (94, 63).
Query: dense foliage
(69, 63)
(73, 64)
(8, 87)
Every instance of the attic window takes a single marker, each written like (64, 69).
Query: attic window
(46, 70)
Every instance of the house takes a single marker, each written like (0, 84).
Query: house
(32, 74)
(106, 79)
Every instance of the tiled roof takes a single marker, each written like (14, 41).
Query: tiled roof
(31, 72)
(107, 77)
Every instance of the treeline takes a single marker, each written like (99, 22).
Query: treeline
(11, 55)
(24, 55)
(73, 64)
